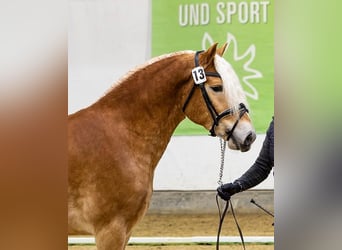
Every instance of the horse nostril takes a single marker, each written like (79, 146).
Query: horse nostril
(250, 138)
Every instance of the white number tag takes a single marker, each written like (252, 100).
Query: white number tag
(199, 75)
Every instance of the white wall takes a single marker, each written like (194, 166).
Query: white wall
(107, 39)
(193, 163)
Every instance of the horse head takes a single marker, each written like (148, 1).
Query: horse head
(217, 100)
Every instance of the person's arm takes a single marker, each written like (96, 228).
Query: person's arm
(262, 167)
(257, 172)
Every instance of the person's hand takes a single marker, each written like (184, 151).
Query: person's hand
(227, 190)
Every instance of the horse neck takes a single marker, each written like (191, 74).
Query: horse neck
(149, 101)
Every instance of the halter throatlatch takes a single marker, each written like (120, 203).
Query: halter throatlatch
(199, 80)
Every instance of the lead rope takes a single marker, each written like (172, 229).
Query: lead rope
(224, 212)
(223, 150)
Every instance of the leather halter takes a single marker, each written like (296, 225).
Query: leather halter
(214, 114)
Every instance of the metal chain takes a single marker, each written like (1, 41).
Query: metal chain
(223, 150)
(229, 202)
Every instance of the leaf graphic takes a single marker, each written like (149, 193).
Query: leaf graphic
(248, 57)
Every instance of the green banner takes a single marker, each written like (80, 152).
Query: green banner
(248, 28)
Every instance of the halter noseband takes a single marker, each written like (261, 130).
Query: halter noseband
(214, 114)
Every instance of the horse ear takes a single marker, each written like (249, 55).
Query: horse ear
(222, 50)
(209, 54)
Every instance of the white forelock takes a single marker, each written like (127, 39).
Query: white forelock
(231, 84)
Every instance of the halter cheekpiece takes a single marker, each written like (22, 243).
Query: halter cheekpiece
(199, 76)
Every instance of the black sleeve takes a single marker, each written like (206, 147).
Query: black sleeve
(263, 164)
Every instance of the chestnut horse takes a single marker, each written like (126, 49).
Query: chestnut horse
(115, 144)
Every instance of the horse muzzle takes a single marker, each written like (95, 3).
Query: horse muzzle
(244, 144)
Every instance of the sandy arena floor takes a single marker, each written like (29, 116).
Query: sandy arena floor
(199, 225)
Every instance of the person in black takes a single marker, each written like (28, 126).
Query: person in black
(257, 172)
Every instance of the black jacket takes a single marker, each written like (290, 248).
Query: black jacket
(263, 164)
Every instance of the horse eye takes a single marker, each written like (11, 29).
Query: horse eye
(217, 88)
